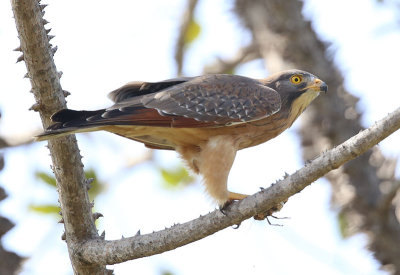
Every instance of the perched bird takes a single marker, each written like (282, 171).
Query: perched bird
(206, 119)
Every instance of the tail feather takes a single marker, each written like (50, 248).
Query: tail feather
(69, 122)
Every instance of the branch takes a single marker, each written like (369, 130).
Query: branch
(245, 54)
(112, 252)
(67, 166)
(180, 45)
(364, 189)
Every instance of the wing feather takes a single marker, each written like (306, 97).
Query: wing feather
(215, 99)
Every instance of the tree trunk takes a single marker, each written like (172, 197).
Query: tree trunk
(67, 166)
(286, 39)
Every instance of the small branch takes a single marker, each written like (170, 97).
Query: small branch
(112, 252)
(245, 54)
(180, 45)
(68, 168)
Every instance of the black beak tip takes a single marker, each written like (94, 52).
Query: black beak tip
(324, 87)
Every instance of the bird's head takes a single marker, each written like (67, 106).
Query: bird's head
(297, 82)
(297, 88)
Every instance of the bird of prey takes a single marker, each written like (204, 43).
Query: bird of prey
(206, 119)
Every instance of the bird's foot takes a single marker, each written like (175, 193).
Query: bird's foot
(224, 206)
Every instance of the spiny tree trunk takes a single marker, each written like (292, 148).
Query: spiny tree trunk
(286, 39)
(67, 166)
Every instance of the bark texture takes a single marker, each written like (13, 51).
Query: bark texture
(38, 53)
(363, 190)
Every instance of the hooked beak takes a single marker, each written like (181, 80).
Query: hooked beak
(318, 85)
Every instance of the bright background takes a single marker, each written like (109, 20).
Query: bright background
(101, 46)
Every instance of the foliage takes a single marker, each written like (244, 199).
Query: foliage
(175, 177)
(96, 187)
(193, 31)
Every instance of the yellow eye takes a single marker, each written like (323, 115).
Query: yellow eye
(296, 79)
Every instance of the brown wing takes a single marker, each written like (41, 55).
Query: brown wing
(205, 101)
(201, 101)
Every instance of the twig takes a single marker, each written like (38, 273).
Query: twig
(244, 55)
(180, 45)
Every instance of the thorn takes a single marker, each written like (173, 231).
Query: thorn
(285, 175)
(42, 13)
(54, 50)
(103, 235)
(60, 73)
(61, 220)
(122, 237)
(48, 30)
(26, 75)
(18, 49)
(88, 182)
(64, 236)
(43, 6)
(35, 107)
(31, 91)
(97, 215)
(60, 213)
(49, 37)
(20, 58)
(138, 233)
(44, 21)
(91, 204)
(66, 93)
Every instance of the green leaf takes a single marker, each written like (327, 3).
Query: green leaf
(192, 32)
(96, 186)
(343, 225)
(175, 177)
(45, 209)
(46, 178)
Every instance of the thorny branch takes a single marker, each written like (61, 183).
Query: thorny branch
(112, 252)
(67, 166)
(363, 190)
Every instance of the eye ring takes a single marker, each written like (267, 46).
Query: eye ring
(296, 79)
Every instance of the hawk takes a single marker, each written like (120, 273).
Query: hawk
(206, 119)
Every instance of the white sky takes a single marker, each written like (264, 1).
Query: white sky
(101, 47)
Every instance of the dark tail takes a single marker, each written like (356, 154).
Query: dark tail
(70, 121)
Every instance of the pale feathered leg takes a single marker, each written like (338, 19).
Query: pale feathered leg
(216, 159)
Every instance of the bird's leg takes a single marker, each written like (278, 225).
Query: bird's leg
(190, 154)
(216, 159)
